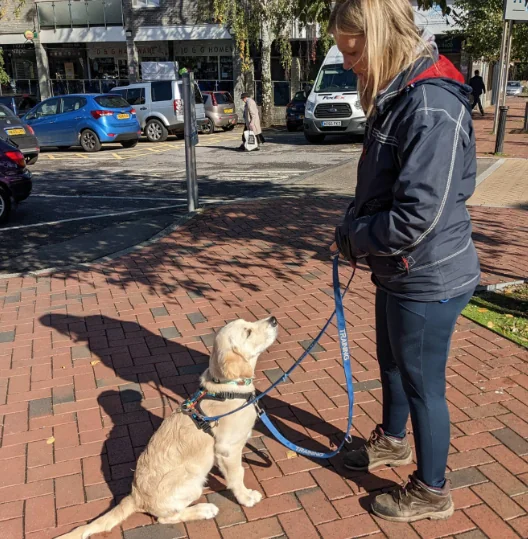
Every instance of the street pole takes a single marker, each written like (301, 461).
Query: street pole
(190, 131)
(504, 66)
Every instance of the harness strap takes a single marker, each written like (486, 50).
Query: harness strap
(192, 407)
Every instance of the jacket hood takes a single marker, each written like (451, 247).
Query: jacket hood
(437, 70)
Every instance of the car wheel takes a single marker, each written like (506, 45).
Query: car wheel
(208, 127)
(129, 143)
(32, 159)
(90, 141)
(156, 131)
(5, 206)
(314, 139)
(228, 127)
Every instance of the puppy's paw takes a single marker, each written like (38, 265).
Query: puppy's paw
(209, 511)
(249, 498)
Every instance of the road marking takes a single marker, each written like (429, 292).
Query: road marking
(117, 156)
(82, 155)
(98, 197)
(106, 215)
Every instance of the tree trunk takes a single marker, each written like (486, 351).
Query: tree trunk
(267, 88)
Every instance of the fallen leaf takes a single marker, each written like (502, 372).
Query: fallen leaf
(483, 310)
(491, 325)
(51, 440)
(95, 362)
(508, 291)
(291, 454)
(509, 316)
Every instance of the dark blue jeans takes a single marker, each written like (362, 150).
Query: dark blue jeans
(413, 340)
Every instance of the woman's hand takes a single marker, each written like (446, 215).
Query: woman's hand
(334, 250)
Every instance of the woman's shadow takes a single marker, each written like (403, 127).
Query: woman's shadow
(161, 374)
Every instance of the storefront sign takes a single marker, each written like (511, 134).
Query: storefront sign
(152, 49)
(203, 48)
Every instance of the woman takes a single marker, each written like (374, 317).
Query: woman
(410, 223)
(251, 118)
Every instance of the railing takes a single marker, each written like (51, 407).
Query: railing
(21, 86)
(85, 86)
(216, 85)
(75, 14)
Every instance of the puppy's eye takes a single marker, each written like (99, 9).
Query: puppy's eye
(248, 333)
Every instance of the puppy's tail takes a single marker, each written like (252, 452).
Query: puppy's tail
(105, 522)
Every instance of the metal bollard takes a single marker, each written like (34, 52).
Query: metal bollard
(526, 118)
(503, 116)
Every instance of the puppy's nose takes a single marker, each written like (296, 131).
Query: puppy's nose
(273, 321)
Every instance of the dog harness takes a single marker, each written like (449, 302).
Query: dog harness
(192, 407)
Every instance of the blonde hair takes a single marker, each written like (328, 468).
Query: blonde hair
(393, 41)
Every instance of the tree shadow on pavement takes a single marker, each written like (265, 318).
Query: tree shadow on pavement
(148, 376)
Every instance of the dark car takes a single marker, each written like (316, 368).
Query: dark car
(15, 178)
(19, 104)
(295, 111)
(22, 135)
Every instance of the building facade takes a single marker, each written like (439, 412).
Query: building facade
(81, 46)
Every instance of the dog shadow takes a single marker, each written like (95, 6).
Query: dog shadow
(155, 374)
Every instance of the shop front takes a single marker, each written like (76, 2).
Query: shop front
(21, 65)
(108, 61)
(210, 60)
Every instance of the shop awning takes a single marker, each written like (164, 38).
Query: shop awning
(116, 34)
(12, 39)
(182, 33)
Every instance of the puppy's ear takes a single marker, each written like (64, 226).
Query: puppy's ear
(235, 366)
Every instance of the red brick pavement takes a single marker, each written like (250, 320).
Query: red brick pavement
(516, 141)
(91, 361)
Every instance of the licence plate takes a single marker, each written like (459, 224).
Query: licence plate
(14, 132)
(123, 116)
(228, 111)
(331, 124)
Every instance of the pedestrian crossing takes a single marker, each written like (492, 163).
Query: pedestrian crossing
(274, 175)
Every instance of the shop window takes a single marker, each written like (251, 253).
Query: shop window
(161, 90)
(71, 104)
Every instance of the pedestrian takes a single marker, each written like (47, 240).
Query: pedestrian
(251, 119)
(410, 224)
(478, 87)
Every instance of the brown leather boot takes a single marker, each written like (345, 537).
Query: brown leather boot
(380, 450)
(414, 501)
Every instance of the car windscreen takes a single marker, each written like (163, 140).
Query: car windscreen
(333, 78)
(514, 84)
(300, 96)
(111, 101)
(223, 98)
(6, 112)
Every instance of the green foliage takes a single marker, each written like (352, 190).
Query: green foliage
(17, 7)
(481, 24)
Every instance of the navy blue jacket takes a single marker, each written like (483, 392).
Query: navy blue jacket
(418, 169)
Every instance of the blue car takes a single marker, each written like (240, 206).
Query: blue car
(88, 120)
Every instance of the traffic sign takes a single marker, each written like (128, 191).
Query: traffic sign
(516, 10)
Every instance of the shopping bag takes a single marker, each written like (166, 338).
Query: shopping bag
(250, 141)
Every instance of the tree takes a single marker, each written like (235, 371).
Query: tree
(262, 22)
(481, 24)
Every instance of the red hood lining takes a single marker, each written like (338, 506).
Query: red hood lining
(443, 69)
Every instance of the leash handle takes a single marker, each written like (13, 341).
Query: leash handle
(338, 299)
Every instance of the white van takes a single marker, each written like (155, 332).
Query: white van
(159, 107)
(333, 106)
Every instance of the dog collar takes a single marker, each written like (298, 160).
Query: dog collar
(237, 382)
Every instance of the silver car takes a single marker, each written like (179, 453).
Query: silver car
(159, 107)
(514, 87)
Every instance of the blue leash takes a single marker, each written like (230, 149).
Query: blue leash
(345, 355)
